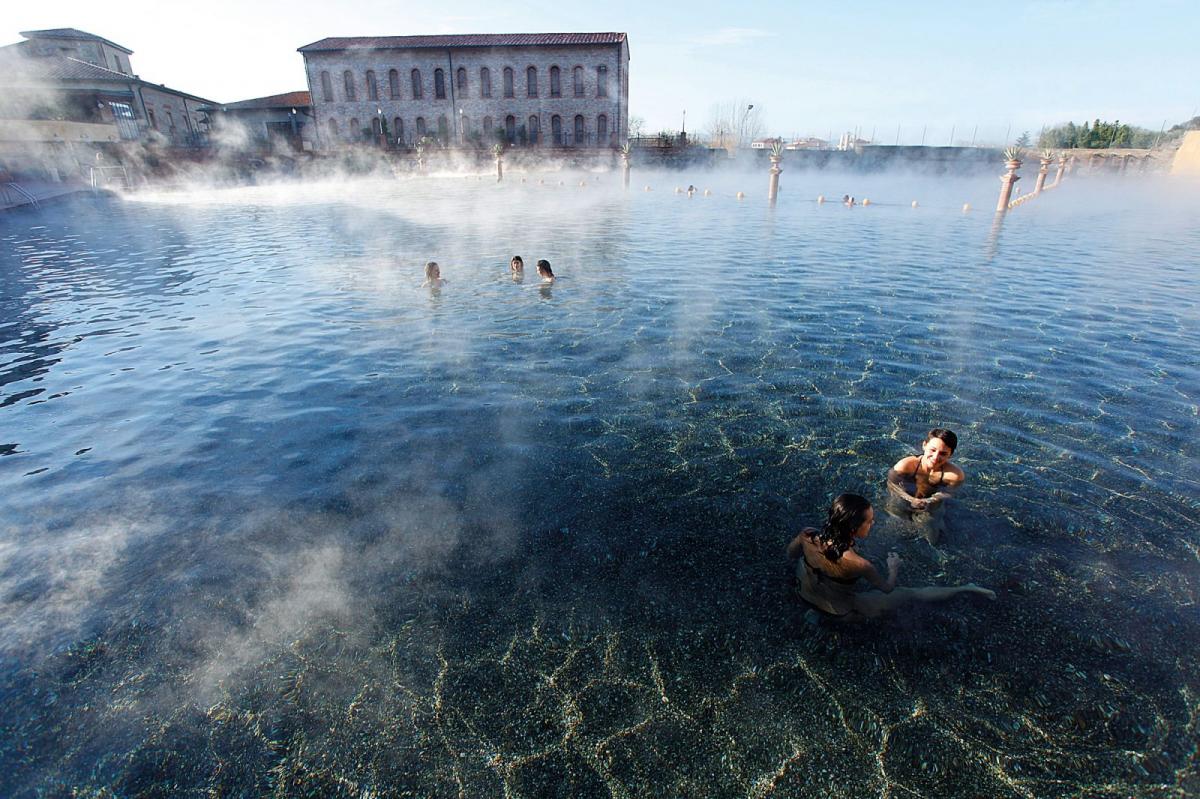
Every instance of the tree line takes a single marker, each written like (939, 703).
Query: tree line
(1099, 135)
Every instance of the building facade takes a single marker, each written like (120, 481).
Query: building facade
(69, 75)
(567, 90)
(277, 123)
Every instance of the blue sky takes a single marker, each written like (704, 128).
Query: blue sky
(932, 69)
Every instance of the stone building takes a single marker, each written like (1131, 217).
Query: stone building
(69, 75)
(278, 123)
(567, 90)
(67, 95)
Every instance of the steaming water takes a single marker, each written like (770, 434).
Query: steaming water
(277, 519)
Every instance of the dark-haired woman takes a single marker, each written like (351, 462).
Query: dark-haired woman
(828, 568)
(919, 484)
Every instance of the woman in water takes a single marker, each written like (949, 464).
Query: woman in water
(517, 265)
(919, 484)
(433, 275)
(828, 567)
(544, 271)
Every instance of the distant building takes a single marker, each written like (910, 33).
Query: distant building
(533, 89)
(279, 122)
(849, 141)
(765, 144)
(809, 143)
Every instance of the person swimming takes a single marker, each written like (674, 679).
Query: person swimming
(517, 264)
(828, 568)
(544, 271)
(919, 484)
(433, 275)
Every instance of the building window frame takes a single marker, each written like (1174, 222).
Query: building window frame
(326, 86)
(417, 91)
(577, 81)
(394, 83)
(348, 86)
(439, 84)
(485, 82)
(555, 81)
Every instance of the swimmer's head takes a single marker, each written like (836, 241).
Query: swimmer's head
(517, 263)
(432, 271)
(938, 446)
(850, 517)
(544, 269)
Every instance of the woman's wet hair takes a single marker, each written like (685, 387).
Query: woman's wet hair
(846, 515)
(518, 260)
(947, 436)
(432, 270)
(543, 267)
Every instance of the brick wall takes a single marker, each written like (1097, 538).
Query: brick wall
(469, 106)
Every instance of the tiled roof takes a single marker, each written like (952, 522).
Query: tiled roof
(17, 69)
(462, 40)
(72, 33)
(56, 67)
(288, 100)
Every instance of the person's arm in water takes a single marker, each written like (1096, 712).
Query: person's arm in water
(868, 572)
(895, 481)
(952, 480)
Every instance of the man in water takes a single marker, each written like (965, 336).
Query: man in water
(919, 484)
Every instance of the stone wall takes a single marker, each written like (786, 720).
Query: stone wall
(469, 109)
(164, 107)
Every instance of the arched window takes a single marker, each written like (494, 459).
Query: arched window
(531, 82)
(420, 127)
(333, 129)
(556, 130)
(602, 81)
(508, 82)
(394, 83)
(372, 87)
(580, 135)
(555, 82)
(398, 130)
(377, 126)
(348, 84)
(487, 127)
(416, 84)
(443, 129)
(462, 81)
(510, 128)
(578, 74)
(602, 130)
(439, 84)
(534, 129)
(485, 82)
(326, 88)
(355, 132)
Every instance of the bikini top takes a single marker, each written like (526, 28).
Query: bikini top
(820, 574)
(917, 470)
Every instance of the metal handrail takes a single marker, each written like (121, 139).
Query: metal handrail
(17, 188)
